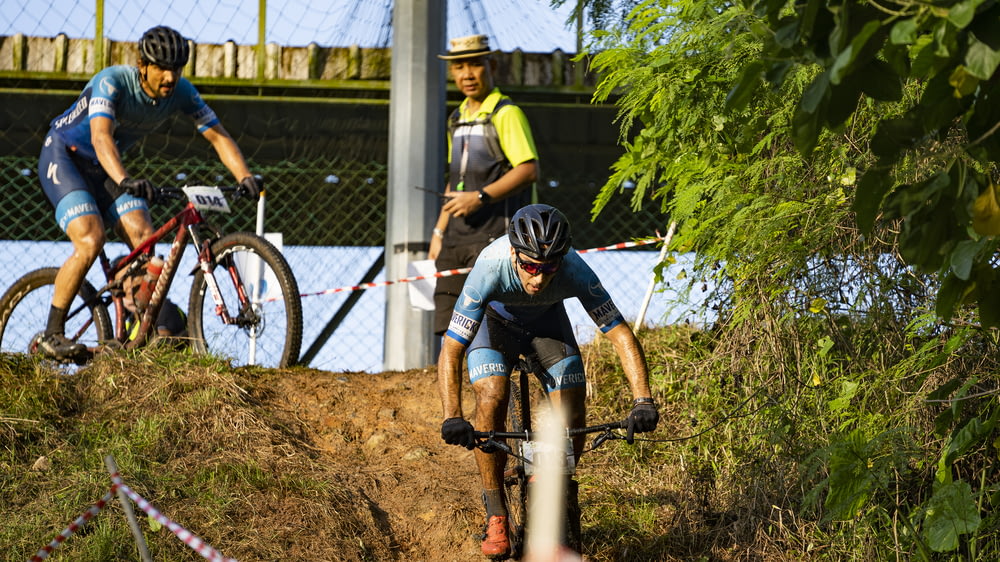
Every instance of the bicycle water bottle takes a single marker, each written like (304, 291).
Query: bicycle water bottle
(148, 283)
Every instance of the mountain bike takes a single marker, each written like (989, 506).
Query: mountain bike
(521, 462)
(244, 299)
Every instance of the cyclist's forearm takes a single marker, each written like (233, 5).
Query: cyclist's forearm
(228, 151)
(232, 158)
(107, 152)
(633, 359)
(449, 378)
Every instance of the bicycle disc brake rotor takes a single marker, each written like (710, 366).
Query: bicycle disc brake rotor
(251, 319)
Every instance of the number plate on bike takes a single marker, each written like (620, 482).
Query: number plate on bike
(207, 198)
(537, 453)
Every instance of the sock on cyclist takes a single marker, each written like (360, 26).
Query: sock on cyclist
(493, 499)
(57, 321)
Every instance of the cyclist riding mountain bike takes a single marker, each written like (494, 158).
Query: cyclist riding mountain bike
(81, 168)
(512, 305)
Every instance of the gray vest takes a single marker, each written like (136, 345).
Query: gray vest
(485, 163)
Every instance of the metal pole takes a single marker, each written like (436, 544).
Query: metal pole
(261, 37)
(641, 317)
(133, 523)
(98, 35)
(416, 157)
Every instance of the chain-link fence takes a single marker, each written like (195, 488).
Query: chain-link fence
(331, 216)
(325, 166)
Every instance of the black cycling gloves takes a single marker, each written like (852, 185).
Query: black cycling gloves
(250, 187)
(457, 431)
(138, 188)
(642, 418)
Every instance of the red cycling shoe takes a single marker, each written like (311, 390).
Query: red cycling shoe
(496, 543)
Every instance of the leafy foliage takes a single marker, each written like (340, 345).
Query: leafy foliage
(826, 163)
(601, 13)
(949, 52)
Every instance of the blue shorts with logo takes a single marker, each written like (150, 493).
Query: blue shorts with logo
(76, 186)
(498, 343)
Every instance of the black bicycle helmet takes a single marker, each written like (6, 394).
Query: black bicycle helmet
(164, 47)
(540, 232)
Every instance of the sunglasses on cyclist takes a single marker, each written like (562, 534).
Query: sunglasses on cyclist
(532, 268)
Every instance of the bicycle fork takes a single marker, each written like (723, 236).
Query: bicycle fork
(205, 262)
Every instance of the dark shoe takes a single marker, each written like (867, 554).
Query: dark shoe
(496, 543)
(58, 347)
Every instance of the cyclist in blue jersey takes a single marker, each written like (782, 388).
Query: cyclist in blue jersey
(81, 168)
(512, 304)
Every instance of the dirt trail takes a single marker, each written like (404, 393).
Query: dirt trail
(382, 432)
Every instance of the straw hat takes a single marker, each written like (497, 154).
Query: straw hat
(468, 47)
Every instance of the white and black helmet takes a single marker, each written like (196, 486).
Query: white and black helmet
(540, 232)
(164, 47)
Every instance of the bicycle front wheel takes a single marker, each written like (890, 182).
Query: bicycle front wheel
(24, 310)
(260, 297)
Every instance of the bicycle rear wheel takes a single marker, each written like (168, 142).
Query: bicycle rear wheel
(24, 309)
(515, 477)
(261, 297)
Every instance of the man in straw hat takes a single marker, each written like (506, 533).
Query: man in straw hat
(492, 165)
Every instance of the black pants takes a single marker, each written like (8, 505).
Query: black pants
(447, 289)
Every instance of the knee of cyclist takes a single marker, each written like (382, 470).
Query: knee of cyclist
(89, 245)
(491, 402)
(146, 232)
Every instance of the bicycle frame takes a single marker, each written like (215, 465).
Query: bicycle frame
(185, 223)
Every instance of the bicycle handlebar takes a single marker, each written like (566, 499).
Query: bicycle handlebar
(171, 192)
(570, 432)
(486, 438)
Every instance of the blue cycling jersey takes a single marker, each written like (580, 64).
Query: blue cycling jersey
(493, 282)
(116, 92)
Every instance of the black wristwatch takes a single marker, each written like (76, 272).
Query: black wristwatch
(484, 197)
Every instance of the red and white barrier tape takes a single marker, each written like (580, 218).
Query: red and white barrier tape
(187, 537)
(464, 270)
(363, 286)
(622, 245)
(80, 521)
